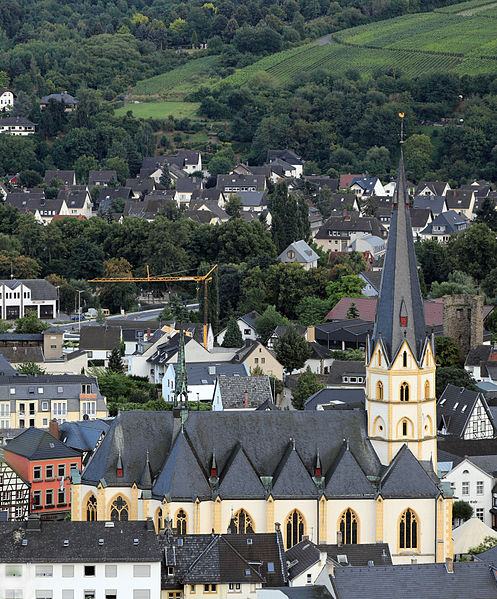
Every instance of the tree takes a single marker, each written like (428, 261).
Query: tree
(458, 282)
(115, 296)
(474, 251)
(447, 352)
(455, 376)
(30, 368)
(312, 310)
(432, 257)
(100, 318)
(418, 152)
(487, 214)
(165, 176)
(234, 205)
(83, 165)
(115, 361)
(268, 321)
(290, 222)
(222, 162)
(292, 350)
(4, 326)
(461, 510)
(347, 286)
(307, 385)
(31, 324)
(488, 543)
(353, 311)
(233, 335)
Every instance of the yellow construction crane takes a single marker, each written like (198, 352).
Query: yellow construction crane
(197, 279)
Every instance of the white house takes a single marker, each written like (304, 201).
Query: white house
(17, 125)
(472, 483)
(367, 243)
(364, 187)
(301, 252)
(76, 560)
(6, 99)
(19, 297)
(246, 324)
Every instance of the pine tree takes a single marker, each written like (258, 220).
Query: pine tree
(353, 311)
(115, 361)
(165, 176)
(233, 335)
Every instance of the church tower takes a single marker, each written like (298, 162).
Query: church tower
(400, 364)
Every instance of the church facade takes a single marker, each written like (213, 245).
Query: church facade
(355, 476)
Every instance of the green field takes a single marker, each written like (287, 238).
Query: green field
(413, 45)
(180, 79)
(160, 110)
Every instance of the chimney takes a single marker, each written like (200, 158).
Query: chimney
(323, 556)
(449, 565)
(246, 399)
(339, 538)
(53, 428)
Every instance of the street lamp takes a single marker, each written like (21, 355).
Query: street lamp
(79, 291)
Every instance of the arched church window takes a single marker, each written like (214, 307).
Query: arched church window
(349, 523)
(404, 359)
(91, 509)
(243, 522)
(181, 522)
(295, 528)
(119, 510)
(379, 390)
(408, 530)
(404, 392)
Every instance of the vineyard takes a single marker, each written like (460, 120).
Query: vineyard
(412, 45)
(184, 76)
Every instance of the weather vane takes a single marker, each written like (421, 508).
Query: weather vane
(401, 115)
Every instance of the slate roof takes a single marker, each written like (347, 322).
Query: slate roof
(206, 373)
(450, 220)
(99, 338)
(291, 477)
(36, 444)
(400, 293)
(351, 397)
(223, 559)
(132, 433)
(365, 183)
(5, 367)
(436, 187)
(67, 177)
(63, 97)
(188, 184)
(455, 406)
(240, 480)
(286, 155)
(18, 121)
(341, 368)
(303, 253)
(346, 478)
(183, 158)
(488, 557)
(252, 199)
(416, 581)
(250, 318)
(234, 388)
(406, 477)
(459, 199)
(304, 592)
(206, 195)
(351, 222)
(419, 217)
(479, 354)
(40, 288)
(74, 198)
(95, 177)
(140, 185)
(434, 203)
(373, 277)
(47, 543)
(354, 330)
(321, 181)
(82, 435)
(236, 180)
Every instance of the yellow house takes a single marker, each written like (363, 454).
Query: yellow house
(253, 354)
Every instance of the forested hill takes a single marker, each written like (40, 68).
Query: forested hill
(50, 45)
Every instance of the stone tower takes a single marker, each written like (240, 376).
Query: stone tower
(400, 364)
(463, 320)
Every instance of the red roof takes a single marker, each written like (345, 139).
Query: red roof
(367, 309)
(346, 180)
(69, 216)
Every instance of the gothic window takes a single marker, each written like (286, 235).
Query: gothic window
(379, 358)
(379, 390)
(404, 428)
(243, 522)
(160, 519)
(294, 528)
(181, 522)
(408, 530)
(427, 390)
(91, 509)
(119, 509)
(404, 392)
(348, 527)
(404, 359)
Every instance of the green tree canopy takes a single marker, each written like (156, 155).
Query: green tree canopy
(268, 321)
(233, 335)
(115, 360)
(307, 385)
(448, 352)
(292, 350)
(455, 376)
(346, 286)
(462, 510)
(31, 324)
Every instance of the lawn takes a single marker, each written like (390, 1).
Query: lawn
(160, 110)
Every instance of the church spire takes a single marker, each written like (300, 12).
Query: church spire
(181, 387)
(400, 309)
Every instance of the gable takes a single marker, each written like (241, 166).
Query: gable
(406, 477)
(239, 479)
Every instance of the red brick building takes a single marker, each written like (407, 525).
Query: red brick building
(46, 463)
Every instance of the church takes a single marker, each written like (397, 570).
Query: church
(354, 476)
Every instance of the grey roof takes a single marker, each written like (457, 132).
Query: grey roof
(188, 184)
(434, 203)
(46, 542)
(365, 183)
(67, 177)
(436, 187)
(74, 198)
(82, 435)
(286, 155)
(350, 397)
(94, 177)
(5, 367)
(206, 195)
(237, 180)
(291, 477)
(206, 373)
(416, 581)
(352, 222)
(406, 477)
(140, 185)
(183, 158)
(488, 557)
(450, 220)
(36, 444)
(63, 97)
(346, 478)
(250, 318)
(373, 277)
(455, 406)
(212, 207)
(350, 329)
(18, 121)
(40, 288)
(252, 198)
(459, 199)
(205, 433)
(400, 293)
(487, 463)
(321, 181)
(341, 368)
(305, 592)
(419, 217)
(303, 253)
(240, 479)
(233, 390)
(224, 559)
(477, 355)
(99, 337)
